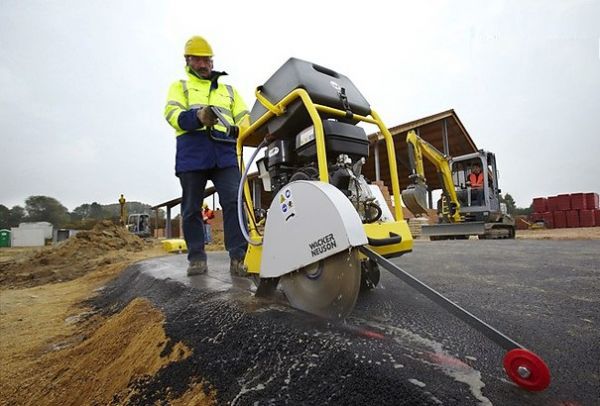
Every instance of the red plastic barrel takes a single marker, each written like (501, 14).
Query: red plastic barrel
(572, 218)
(540, 205)
(560, 219)
(586, 218)
(578, 201)
(591, 200)
(552, 203)
(563, 202)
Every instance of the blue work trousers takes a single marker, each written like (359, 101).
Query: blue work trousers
(226, 181)
(476, 197)
(207, 234)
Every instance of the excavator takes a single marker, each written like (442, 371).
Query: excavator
(460, 214)
(318, 228)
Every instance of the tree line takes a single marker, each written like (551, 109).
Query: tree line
(511, 206)
(45, 208)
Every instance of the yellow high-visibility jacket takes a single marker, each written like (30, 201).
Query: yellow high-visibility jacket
(196, 150)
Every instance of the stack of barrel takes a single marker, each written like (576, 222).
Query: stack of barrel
(567, 210)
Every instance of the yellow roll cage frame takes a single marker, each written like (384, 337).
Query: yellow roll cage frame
(313, 110)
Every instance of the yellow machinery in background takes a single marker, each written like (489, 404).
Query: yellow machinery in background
(174, 245)
(459, 214)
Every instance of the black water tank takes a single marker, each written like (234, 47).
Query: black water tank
(322, 84)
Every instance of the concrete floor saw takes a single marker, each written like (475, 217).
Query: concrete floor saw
(315, 225)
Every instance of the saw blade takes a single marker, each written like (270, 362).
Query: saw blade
(327, 288)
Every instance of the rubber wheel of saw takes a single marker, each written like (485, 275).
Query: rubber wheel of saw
(539, 374)
(327, 288)
(369, 276)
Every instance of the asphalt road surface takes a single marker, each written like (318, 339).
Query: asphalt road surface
(397, 347)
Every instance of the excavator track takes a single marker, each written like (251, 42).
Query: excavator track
(498, 233)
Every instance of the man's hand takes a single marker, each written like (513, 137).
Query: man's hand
(206, 116)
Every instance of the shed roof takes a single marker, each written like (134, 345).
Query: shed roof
(431, 129)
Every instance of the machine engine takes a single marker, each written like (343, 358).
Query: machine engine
(295, 158)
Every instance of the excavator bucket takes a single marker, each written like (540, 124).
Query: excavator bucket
(415, 198)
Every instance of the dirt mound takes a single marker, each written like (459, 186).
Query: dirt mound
(103, 368)
(72, 258)
(103, 237)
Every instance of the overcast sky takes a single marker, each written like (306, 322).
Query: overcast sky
(83, 84)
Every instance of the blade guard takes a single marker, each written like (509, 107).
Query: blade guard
(307, 222)
(415, 198)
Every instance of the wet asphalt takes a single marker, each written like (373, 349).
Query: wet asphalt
(397, 347)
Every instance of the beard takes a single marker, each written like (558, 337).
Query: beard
(204, 73)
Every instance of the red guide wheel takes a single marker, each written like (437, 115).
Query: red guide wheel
(526, 369)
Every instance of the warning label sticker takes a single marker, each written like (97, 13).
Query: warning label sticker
(286, 203)
(323, 244)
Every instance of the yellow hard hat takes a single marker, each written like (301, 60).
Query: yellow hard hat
(198, 46)
(205, 206)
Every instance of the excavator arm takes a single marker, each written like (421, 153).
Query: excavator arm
(415, 196)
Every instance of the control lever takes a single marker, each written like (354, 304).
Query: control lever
(232, 132)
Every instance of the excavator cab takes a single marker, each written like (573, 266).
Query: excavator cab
(476, 200)
(139, 224)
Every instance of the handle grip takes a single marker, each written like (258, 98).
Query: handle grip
(232, 130)
(380, 242)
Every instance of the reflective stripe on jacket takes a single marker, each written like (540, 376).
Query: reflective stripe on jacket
(195, 149)
(476, 180)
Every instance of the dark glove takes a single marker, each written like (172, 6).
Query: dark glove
(206, 116)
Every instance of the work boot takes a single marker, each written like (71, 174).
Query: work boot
(237, 267)
(197, 268)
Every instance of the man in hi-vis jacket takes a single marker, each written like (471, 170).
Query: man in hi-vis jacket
(201, 156)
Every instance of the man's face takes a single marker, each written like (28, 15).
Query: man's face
(476, 169)
(202, 65)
